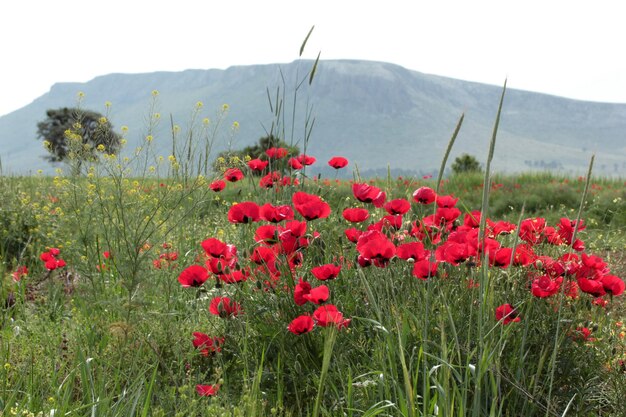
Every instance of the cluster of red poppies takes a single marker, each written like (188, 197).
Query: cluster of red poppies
(52, 260)
(274, 178)
(442, 237)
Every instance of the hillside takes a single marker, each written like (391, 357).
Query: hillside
(374, 113)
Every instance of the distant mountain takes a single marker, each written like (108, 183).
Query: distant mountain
(376, 114)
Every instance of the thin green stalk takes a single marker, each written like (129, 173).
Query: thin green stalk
(558, 323)
(329, 344)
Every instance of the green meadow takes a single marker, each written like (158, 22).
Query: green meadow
(141, 284)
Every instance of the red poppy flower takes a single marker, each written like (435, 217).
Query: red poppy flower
(207, 390)
(233, 175)
(446, 214)
(301, 325)
(234, 277)
(306, 159)
(193, 276)
(268, 181)
(276, 153)
(295, 163)
(389, 222)
(507, 314)
(325, 272)
(582, 333)
(317, 295)
(544, 286)
(224, 307)
(19, 273)
(244, 212)
(356, 215)
(267, 234)
(412, 251)
(424, 195)
(531, 230)
(353, 234)
(500, 257)
(289, 181)
(51, 260)
(214, 247)
(451, 252)
(257, 165)
(369, 194)
(552, 236)
(446, 201)
(206, 344)
(275, 214)
(165, 260)
(613, 284)
(217, 185)
(301, 289)
(295, 228)
(566, 229)
(398, 206)
(425, 269)
(338, 162)
(329, 314)
(472, 220)
(375, 247)
(310, 206)
(501, 227)
(524, 255)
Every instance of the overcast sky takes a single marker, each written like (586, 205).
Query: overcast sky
(568, 48)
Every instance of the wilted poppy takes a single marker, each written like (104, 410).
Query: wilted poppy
(19, 273)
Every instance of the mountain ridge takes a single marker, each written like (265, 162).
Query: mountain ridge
(376, 114)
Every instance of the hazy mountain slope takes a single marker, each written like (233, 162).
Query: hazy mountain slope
(376, 114)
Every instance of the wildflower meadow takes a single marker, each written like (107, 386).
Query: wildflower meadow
(144, 284)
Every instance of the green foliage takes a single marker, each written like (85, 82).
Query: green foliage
(230, 158)
(465, 164)
(76, 134)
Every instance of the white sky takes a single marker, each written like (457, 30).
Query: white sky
(569, 48)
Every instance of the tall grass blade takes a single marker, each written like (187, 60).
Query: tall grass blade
(487, 180)
(448, 149)
(314, 68)
(306, 40)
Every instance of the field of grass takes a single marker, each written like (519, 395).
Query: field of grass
(139, 288)
(110, 330)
